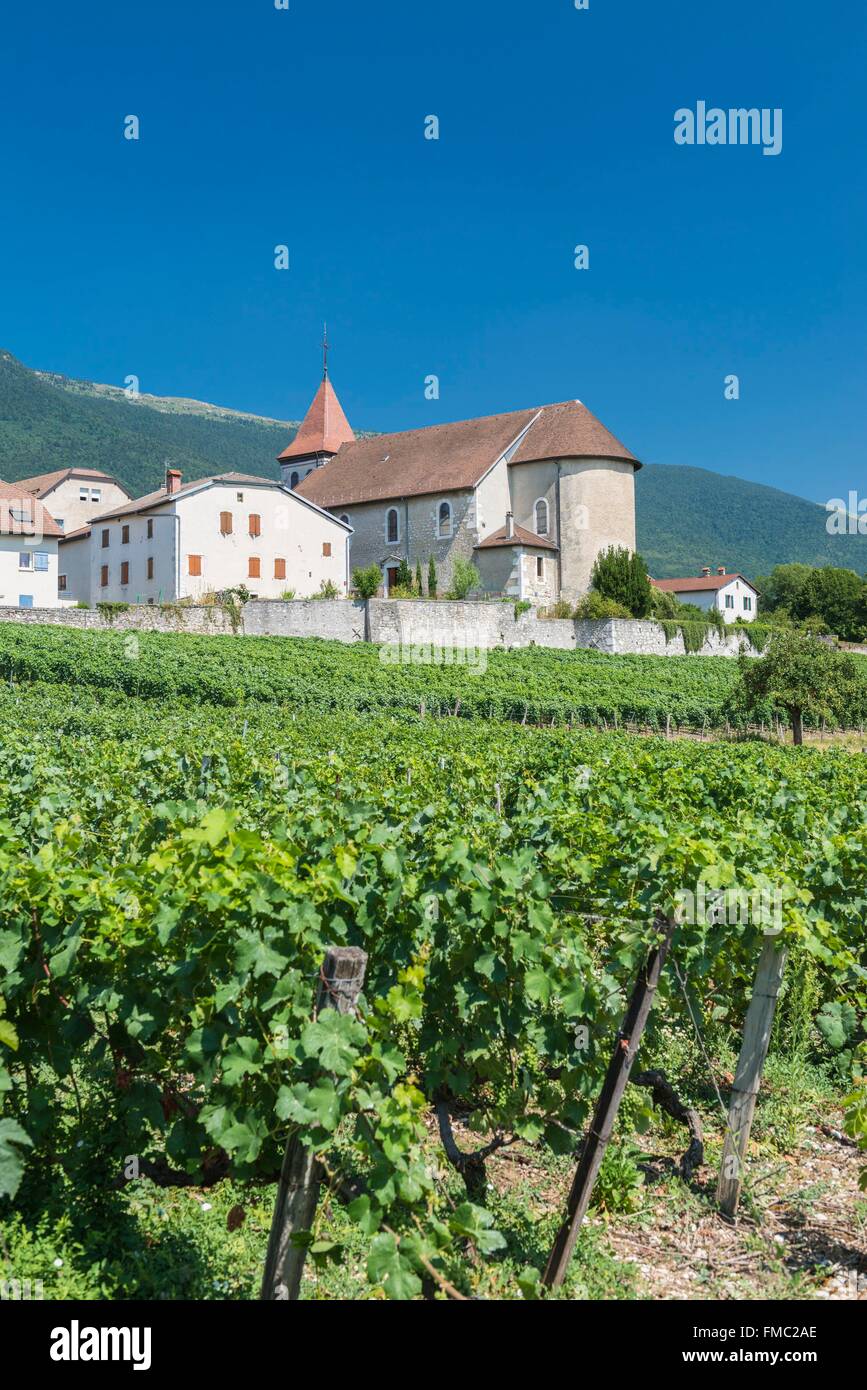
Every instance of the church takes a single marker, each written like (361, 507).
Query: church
(530, 498)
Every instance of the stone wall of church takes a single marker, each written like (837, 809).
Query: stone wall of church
(418, 534)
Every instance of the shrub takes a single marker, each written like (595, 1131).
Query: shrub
(465, 578)
(622, 576)
(404, 576)
(522, 606)
(595, 605)
(327, 589)
(418, 584)
(431, 578)
(367, 582)
(288, 595)
(561, 609)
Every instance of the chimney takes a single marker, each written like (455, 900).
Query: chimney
(706, 572)
(721, 569)
(173, 480)
(510, 526)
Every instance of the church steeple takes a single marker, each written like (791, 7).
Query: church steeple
(322, 431)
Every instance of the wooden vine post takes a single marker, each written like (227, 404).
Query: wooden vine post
(748, 1078)
(341, 980)
(625, 1048)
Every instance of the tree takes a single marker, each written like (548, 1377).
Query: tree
(465, 577)
(431, 578)
(404, 576)
(418, 584)
(367, 582)
(622, 576)
(803, 676)
(839, 597)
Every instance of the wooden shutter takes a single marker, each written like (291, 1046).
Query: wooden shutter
(279, 569)
(124, 572)
(225, 523)
(255, 524)
(194, 565)
(150, 567)
(326, 548)
(254, 568)
(124, 535)
(103, 577)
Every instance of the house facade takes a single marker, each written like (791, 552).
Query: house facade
(530, 497)
(28, 550)
(187, 540)
(74, 495)
(732, 595)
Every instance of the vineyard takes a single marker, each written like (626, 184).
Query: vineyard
(186, 831)
(531, 686)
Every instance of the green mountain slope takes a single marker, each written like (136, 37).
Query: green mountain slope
(49, 422)
(689, 517)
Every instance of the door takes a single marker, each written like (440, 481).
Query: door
(391, 573)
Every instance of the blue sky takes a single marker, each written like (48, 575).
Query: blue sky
(305, 127)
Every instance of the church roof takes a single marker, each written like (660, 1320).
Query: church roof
(323, 429)
(521, 536)
(454, 457)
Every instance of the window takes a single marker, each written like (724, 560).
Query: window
(61, 583)
(150, 529)
(392, 526)
(444, 521)
(84, 494)
(730, 600)
(124, 571)
(254, 568)
(279, 569)
(40, 561)
(150, 567)
(20, 514)
(124, 535)
(540, 567)
(326, 548)
(103, 577)
(541, 512)
(293, 481)
(25, 560)
(345, 519)
(239, 496)
(255, 524)
(748, 603)
(105, 539)
(96, 494)
(194, 565)
(25, 600)
(225, 523)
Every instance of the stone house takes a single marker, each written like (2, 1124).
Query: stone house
(530, 497)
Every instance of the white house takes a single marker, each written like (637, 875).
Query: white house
(730, 594)
(189, 539)
(28, 550)
(74, 495)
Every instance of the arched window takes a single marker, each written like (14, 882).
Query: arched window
(541, 517)
(345, 519)
(444, 520)
(293, 481)
(392, 526)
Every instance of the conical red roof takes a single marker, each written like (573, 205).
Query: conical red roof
(324, 428)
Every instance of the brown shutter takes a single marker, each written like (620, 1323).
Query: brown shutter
(225, 523)
(104, 539)
(124, 535)
(194, 565)
(253, 569)
(124, 572)
(103, 576)
(326, 547)
(255, 524)
(150, 567)
(279, 569)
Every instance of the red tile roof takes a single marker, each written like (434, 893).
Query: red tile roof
(705, 583)
(42, 483)
(323, 429)
(521, 537)
(39, 521)
(160, 497)
(454, 457)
